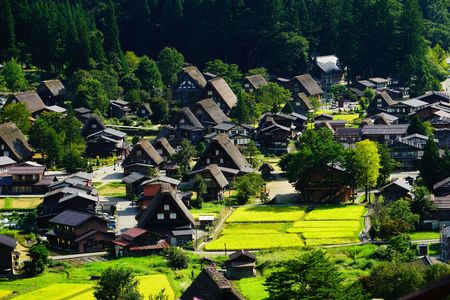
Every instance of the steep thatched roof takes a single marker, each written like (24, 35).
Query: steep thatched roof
(16, 141)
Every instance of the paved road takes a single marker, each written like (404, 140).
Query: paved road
(126, 213)
(282, 190)
(108, 174)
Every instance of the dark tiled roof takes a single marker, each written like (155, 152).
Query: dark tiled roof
(8, 241)
(16, 141)
(384, 129)
(145, 145)
(26, 170)
(71, 218)
(133, 177)
(165, 179)
(239, 253)
(133, 233)
(82, 110)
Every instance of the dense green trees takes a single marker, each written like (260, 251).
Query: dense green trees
(170, 62)
(311, 276)
(14, 76)
(248, 185)
(367, 165)
(117, 283)
(18, 114)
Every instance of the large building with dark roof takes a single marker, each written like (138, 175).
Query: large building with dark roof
(219, 90)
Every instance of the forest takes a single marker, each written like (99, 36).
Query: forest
(370, 37)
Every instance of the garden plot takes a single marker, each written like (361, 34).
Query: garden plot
(267, 214)
(56, 292)
(153, 284)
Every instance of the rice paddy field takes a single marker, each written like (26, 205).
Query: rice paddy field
(5, 293)
(19, 203)
(267, 227)
(113, 189)
(56, 292)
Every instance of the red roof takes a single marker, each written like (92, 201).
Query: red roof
(133, 233)
(160, 245)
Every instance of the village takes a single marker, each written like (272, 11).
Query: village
(216, 187)
(215, 150)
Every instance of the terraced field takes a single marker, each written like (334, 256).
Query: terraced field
(266, 227)
(58, 291)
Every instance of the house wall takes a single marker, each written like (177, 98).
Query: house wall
(6, 258)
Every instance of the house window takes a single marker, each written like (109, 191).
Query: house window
(247, 85)
(209, 93)
(3, 147)
(94, 126)
(221, 160)
(160, 151)
(160, 216)
(143, 111)
(173, 216)
(217, 152)
(251, 90)
(181, 121)
(34, 177)
(139, 153)
(208, 161)
(166, 207)
(297, 104)
(6, 153)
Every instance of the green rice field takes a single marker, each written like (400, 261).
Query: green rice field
(266, 227)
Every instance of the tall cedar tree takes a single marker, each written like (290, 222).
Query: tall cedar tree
(430, 164)
(7, 32)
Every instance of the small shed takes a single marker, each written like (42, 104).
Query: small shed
(240, 264)
(7, 256)
(266, 170)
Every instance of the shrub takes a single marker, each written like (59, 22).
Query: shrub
(176, 258)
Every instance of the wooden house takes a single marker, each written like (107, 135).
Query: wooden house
(275, 131)
(380, 103)
(7, 254)
(240, 264)
(13, 143)
(151, 187)
(333, 124)
(189, 86)
(107, 142)
(403, 109)
(74, 197)
(300, 104)
(396, 190)
(83, 114)
(80, 232)
(209, 113)
(347, 136)
(328, 184)
(211, 284)
(173, 136)
(266, 170)
(138, 242)
(119, 109)
(52, 92)
(442, 188)
(26, 180)
(188, 126)
(408, 150)
(32, 101)
(380, 83)
(167, 217)
(253, 82)
(240, 134)
(218, 90)
(326, 71)
(222, 152)
(362, 85)
(144, 111)
(215, 182)
(133, 182)
(93, 125)
(384, 119)
(141, 158)
(5, 164)
(163, 147)
(307, 85)
(383, 133)
(434, 97)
